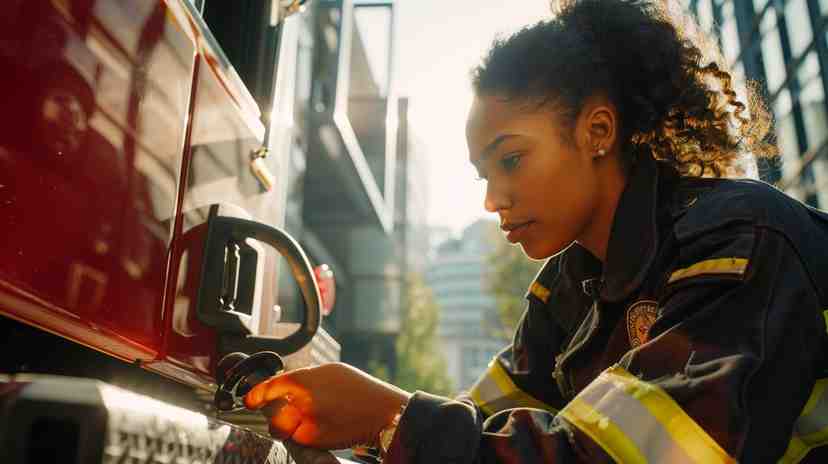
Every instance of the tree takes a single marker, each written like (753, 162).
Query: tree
(420, 361)
(510, 274)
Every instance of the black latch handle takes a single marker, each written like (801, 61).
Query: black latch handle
(222, 234)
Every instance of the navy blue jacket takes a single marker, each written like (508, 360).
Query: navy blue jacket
(702, 339)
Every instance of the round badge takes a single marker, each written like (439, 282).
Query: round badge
(640, 317)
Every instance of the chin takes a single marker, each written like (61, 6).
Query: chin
(539, 253)
(536, 253)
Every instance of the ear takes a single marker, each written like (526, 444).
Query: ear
(598, 126)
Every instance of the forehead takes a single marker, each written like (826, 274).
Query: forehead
(491, 113)
(493, 116)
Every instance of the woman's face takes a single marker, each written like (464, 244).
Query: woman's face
(540, 175)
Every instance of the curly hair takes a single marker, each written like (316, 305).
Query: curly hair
(675, 98)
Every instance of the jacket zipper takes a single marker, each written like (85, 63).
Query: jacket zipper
(566, 382)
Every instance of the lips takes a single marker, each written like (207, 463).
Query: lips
(516, 231)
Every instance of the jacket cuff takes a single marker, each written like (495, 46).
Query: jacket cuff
(435, 429)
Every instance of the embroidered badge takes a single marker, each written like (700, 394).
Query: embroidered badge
(640, 317)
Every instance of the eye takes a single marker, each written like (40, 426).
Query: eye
(510, 162)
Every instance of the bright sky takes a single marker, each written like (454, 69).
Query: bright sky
(439, 41)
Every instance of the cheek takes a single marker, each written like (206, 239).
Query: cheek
(564, 208)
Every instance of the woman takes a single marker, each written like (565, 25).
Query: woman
(679, 318)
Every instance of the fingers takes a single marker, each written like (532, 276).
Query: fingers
(275, 387)
(283, 419)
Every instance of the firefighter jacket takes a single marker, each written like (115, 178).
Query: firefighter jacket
(701, 340)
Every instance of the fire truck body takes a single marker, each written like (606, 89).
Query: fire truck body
(145, 168)
(124, 122)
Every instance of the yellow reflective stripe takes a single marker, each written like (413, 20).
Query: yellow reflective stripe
(734, 266)
(825, 316)
(603, 430)
(480, 402)
(816, 394)
(495, 391)
(813, 422)
(540, 291)
(644, 415)
(520, 398)
(797, 449)
(684, 430)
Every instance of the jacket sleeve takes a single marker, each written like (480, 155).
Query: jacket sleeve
(519, 375)
(723, 375)
(734, 353)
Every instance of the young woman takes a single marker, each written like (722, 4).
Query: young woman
(680, 315)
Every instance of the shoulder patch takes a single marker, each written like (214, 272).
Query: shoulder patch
(641, 315)
(718, 266)
(540, 292)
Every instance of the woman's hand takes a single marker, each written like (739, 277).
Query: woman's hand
(332, 406)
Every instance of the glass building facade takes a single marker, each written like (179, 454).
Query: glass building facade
(781, 44)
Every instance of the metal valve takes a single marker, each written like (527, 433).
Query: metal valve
(237, 374)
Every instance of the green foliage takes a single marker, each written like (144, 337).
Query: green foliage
(420, 361)
(510, 274)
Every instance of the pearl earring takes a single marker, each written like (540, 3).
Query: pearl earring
(602, 152)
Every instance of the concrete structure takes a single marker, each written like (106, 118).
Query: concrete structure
(347, 198)
(468, 315)
(782, 45)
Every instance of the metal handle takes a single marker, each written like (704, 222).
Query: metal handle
(221, 231)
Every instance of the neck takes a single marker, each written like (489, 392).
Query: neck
(596, 235)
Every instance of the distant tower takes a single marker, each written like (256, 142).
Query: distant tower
(457, 276)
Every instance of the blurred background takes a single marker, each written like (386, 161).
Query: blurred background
(128, 126)
(443, 301)
(344, 124)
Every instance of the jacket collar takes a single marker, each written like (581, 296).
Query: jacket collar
(634, 237)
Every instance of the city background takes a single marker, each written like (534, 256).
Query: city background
(154, 153)
(415, 300)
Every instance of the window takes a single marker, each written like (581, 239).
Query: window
(374, 26)
(759, 5)
(808, 69)
(242, 30)
(787, 140)
(799, 26)
(730, 34)
(774, 60)
(705, 15)
(782, 105)
(768, 22)
(812, 99)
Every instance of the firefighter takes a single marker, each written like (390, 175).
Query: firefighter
(680, 316)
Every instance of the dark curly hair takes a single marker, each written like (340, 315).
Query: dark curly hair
(674, 96)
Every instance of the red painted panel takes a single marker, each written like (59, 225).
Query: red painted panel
(91, 134)
(218, 170)
(116, 135)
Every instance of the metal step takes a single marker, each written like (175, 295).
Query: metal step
(51, 419)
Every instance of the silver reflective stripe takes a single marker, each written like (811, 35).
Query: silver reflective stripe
(487, 389)
(653, 441)
(638, 422)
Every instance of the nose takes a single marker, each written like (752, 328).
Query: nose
(496, 198)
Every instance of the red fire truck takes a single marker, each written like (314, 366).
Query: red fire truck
(142, 169)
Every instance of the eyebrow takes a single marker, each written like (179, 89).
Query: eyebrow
(491, 147)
